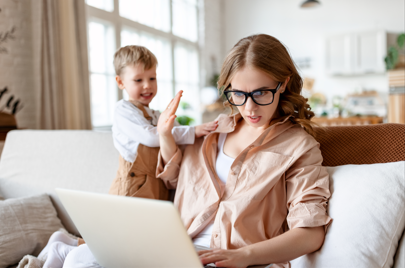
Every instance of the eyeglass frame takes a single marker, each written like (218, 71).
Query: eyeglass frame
(250, 94)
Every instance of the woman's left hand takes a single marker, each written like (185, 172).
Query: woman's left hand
(231, 258)
(166, 119)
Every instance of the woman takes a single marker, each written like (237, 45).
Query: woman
(254, 191)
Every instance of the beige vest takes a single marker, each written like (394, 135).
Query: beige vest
(138, 179)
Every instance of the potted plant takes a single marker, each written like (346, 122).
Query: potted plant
(184, 119)
(396, 56)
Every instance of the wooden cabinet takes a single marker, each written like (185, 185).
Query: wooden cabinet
(396, 109)
(396, 105)
(357, 53)
(340, 54)
(371, 51)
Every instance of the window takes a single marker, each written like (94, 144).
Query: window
(102, 75)
(169, 28)
(153, 13)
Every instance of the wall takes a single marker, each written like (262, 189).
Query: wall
(303, 31)
(213, 40)
(16, 64)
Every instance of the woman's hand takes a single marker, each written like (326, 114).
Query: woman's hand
(166, 119)
(280, 249)
(168, 146)
(231, 258)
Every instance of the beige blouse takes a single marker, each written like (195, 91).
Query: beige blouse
(277, 183)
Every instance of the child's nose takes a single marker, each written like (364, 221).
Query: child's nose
(147, 85)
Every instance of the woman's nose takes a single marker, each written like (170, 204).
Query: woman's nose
(250, 105)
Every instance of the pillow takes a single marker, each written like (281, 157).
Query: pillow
(400, 255)
(25, 227)
(368, 210)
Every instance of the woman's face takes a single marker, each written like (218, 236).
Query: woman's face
(249, 79)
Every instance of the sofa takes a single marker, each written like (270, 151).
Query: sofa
(35, 162)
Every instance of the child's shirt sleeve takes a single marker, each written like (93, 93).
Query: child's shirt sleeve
(131, 128)
(182, 134)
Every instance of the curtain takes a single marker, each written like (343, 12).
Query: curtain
(64, 94)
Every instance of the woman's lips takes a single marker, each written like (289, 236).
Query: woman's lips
(254, 119)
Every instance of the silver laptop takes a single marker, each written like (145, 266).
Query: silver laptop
(130, 232)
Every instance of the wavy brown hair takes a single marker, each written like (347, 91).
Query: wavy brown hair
(267, 54)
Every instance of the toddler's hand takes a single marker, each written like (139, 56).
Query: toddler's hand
(205, 129)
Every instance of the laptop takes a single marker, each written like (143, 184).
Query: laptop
(130, 232)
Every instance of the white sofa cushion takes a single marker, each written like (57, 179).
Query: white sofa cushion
(368, 209)
(400, 255)
(25, 227)
(38, 161)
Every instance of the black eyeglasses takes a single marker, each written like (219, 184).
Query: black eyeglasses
(260, 97)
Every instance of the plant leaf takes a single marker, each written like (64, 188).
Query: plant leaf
(392, 58)
(185, 105)
(387, 63)
(401, 40)
(184, 120)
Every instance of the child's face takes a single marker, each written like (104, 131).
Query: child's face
(140, 84)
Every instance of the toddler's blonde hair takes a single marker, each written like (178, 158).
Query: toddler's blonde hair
(131, 55)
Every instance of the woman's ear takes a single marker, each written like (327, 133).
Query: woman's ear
(120, 83)
(285, 84)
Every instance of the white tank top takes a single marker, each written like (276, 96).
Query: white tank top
(222, 167)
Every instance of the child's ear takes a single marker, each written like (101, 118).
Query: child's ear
(119, 82)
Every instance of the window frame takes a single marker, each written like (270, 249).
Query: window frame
(118, 23)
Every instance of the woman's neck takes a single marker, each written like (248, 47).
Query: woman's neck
(241, 137)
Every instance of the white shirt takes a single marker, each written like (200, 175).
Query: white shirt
(130, 128)
(222, 167)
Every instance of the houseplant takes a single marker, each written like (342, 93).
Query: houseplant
(396, 55)
(184, 120)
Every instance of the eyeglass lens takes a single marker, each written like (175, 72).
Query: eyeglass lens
(260, 97)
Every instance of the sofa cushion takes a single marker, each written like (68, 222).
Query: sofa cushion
(368, 209)
(400, 255)
(38, 161)
(26, 225)
(367, 144)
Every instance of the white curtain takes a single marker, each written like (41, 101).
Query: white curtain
(64, 95)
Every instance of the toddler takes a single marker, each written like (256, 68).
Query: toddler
(134, 126)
